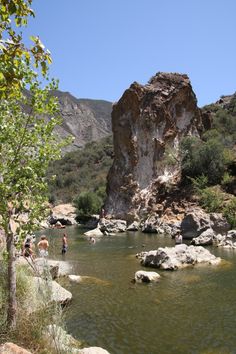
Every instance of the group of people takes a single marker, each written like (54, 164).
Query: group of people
(42, 246)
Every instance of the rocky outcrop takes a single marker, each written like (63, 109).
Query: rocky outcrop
(55, 268)
(148, 123)
(58, 340)
(61, 342)
(219, 224)
(112, 226)
(194, 223)
(94, 233)
(62, 214)
(197, 221)
(180, 256)
(44, 292)
(205, 239)
(227, 241)
(134, 226)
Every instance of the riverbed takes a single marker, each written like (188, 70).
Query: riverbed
(189, 311)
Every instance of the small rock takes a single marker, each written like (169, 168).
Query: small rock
(146, 277)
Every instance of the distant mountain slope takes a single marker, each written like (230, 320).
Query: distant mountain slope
(86, 119)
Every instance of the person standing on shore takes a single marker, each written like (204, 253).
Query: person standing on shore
(27, 248)
(64, 244)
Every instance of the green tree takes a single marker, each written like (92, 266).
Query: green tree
(14, 55)
(27, 142)
(207, 158)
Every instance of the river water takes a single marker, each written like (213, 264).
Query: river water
(189, 311)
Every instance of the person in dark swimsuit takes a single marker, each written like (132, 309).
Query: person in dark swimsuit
(27, 250)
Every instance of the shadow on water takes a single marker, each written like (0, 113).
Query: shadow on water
(188, 311)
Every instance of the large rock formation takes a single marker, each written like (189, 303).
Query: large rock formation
(148, 123)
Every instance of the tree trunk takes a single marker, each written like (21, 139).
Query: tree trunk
(12, 304)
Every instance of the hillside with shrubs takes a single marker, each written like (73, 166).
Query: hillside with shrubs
(80, 171)
(209, 163)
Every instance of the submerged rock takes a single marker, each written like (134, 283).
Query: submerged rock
(75, 278)
(93, 350)
(180, 256)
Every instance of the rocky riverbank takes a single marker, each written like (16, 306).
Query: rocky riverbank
(44, 291)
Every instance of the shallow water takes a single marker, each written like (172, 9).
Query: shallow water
(188, 311)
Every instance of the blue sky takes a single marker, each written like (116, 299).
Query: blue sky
(99, 47)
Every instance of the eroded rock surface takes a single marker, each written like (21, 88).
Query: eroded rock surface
(148, 123)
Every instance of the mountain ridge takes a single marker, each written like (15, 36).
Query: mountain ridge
(83, 118)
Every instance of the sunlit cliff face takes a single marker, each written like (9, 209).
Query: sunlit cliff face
(148, 123)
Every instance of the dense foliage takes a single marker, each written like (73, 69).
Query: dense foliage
(87, 204)
(210, 162)
(27, 141)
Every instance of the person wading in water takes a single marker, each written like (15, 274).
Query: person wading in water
(64, 244)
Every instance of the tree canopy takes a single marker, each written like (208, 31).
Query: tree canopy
(27, 141)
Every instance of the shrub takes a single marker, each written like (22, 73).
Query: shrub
(229, 211)
(211, 199)
(199, 183)
(203, 158)
(87, 203)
